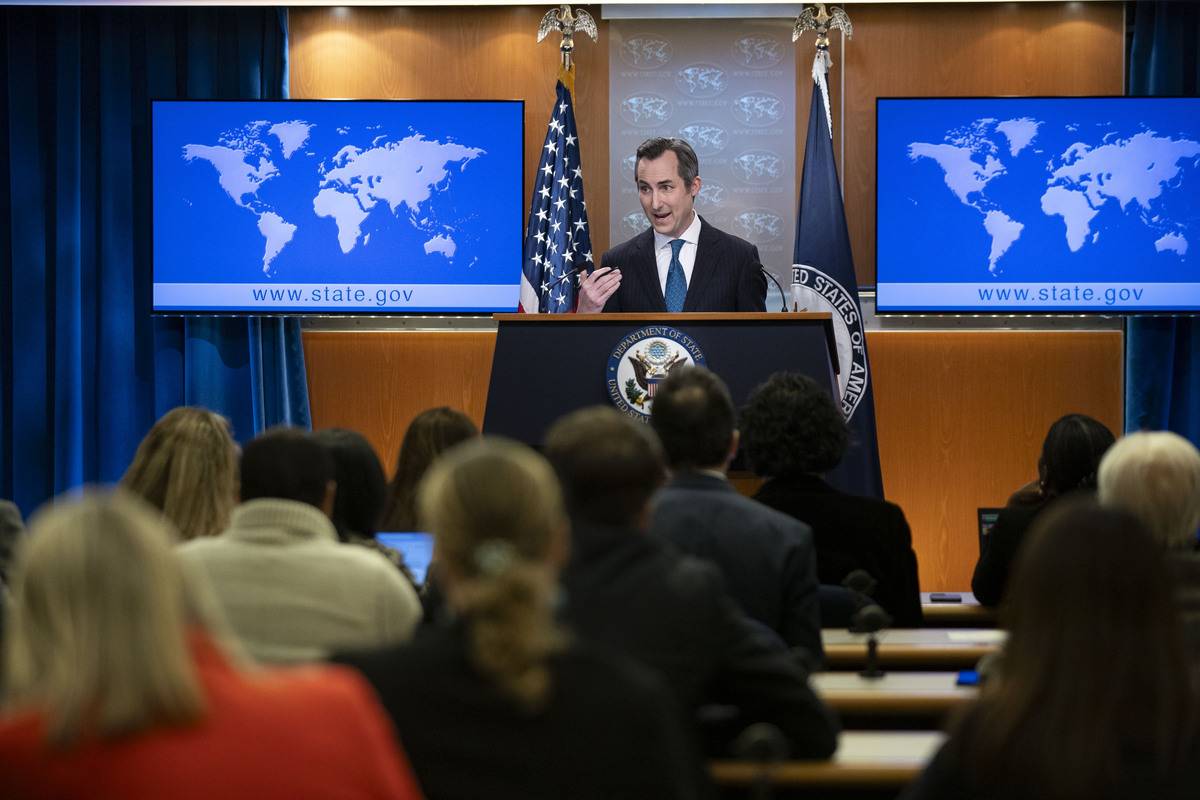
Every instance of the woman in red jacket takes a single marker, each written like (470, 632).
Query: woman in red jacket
(116, 687)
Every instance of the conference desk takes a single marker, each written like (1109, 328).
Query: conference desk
(931, 694)
(966, 613)
(864, 760)
(912, 648)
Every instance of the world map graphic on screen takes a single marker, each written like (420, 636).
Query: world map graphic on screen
(1037, 191)
(365, 194)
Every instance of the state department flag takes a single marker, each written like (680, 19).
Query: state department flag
(823, 280)
(558, 245)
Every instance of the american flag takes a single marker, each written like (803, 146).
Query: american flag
(558, 245)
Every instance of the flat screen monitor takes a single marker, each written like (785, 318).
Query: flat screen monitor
(337, 207)
(1038, 205)
(416, 547)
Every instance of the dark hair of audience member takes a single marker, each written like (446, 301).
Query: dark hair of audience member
(431, 433)
(694, 418)
(608, 465)
(497, 518)
(1071, 454)
(361, 485)
(286, 464)
(1094, 668)
(790, 426)
(187, 468)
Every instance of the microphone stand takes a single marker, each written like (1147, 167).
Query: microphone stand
(778, 286)
(871, 620)
(766, 744)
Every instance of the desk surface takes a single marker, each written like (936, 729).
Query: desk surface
(926, 648)
(966, 612)
(864, 759)
(896, 693)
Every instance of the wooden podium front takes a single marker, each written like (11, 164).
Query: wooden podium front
(547, 365)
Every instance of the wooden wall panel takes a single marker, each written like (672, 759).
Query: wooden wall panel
(375, 383)
(961, 418)
(945, 49)
(898, 50)
(455, 53)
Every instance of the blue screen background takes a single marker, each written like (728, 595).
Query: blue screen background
(927, 233)
(202, 235)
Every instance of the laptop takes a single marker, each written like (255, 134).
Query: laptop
(415, 546)
(986, 519)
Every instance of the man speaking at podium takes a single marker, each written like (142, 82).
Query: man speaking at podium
(680, 263)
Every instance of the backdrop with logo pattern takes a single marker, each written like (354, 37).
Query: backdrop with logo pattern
(728, 87)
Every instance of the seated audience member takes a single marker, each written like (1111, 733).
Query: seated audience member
(1156, 478)
(186, 467)
(361, 491)
(630, 591)
(12, 530)
(1070, 457)
(792, 433)
(501, 702)
(116, 686)
(766, 557)
(291, 591)
(1093, 699)
(431, 433)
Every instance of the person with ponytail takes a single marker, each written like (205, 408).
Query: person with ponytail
(500, 701)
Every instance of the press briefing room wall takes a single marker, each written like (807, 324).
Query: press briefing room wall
(961, 412)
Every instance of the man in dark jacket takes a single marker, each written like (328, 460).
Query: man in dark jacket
(630, 591)
(766, 557)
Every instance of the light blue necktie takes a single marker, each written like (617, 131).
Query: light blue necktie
(676, 282)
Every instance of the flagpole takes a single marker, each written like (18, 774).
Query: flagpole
(566, 22)
(557, 246)
(823, 276)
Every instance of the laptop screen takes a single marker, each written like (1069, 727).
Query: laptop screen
(416, 547)
(986, 518)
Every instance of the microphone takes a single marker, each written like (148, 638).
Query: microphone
(860, 581)
(764, 744)
(777, 286)
(870, 621)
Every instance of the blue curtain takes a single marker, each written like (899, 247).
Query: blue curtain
(1162, 378)
(85, 370)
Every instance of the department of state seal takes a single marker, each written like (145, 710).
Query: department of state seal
(642, 360)
(813, 290)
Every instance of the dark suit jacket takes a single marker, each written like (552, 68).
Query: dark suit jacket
(630, 591)
(607, 731)
(766, 557)
(850, 533)
(1185, 572)
(727, 275)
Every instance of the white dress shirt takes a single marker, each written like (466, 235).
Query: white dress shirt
(687, 253)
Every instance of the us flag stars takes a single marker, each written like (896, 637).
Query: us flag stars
(558, 246)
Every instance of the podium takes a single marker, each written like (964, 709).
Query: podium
(548, 365)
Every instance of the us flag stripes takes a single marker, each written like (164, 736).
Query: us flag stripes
(558, 245)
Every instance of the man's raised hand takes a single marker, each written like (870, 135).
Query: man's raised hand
(596, 288)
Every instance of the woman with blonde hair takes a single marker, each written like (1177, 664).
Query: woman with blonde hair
(186, 467)
(500, 702)
(115, 687)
